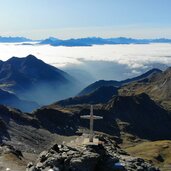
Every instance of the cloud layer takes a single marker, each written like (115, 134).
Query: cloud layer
(96, 62)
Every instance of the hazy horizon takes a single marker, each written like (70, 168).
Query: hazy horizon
(103, 37)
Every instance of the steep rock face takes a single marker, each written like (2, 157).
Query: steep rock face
(3, 130)
(92, 87)
(100, 95)
(56, 121)
(22, 130)
(9, 114)
(146, 118)
(105, 156)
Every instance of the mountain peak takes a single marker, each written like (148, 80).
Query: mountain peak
(13, 58)
(32, 59)
(153, 69)
(18, 60)
(53, 39)
(31, 56)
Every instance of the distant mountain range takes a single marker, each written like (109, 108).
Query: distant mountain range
(100, 41)
(89, 41)
(14, 39)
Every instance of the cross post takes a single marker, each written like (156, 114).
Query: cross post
(91, 117)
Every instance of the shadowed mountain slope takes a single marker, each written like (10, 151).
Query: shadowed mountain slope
(12, 100)
(100, 95)
(145, 118)
(136, 115)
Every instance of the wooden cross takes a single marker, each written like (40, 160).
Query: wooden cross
(92, 118)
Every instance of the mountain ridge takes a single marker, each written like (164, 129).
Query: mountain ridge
(100, 95)
(157, 87)
(89, 41)
(98, 84)
(14, 39)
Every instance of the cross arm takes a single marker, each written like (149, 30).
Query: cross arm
(85, 117)
(97, 117)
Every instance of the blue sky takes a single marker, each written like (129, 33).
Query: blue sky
(81, 18)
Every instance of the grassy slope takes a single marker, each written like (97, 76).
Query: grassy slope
(159, 152)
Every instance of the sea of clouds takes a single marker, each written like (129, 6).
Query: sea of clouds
(96, 62)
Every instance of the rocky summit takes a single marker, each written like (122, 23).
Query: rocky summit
(106, 156)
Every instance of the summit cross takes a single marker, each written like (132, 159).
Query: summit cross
(91, 117)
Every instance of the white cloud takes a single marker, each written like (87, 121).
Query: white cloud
(135, 57)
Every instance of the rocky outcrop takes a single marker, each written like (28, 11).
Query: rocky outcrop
(9, 149)
(107, 156)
